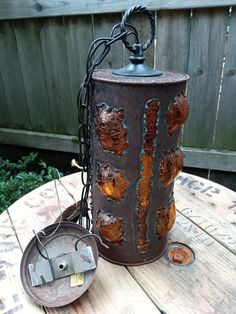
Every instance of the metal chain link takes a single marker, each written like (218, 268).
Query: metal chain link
(120, 31)
(141, 9)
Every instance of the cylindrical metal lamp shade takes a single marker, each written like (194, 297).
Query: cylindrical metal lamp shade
(135, 131)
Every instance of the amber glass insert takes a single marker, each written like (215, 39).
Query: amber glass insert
(144, 184)
(177, 114)
(111, 182)
(110, 129)
(109, 227)
(170, 166)
(165, 219)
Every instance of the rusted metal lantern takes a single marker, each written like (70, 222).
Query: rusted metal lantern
(136, 117)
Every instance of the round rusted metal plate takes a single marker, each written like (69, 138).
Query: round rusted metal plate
(58, 292)
(179, 254)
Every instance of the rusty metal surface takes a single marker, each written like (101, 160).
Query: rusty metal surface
(129, 221)
(58, 292)
(179, 254)
(166, 78)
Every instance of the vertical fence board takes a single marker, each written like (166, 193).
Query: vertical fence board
(12, 77)
(30, 56)
(57, 75)
(5, 119)
(42, 62)
(173, 31)
(207, 46)
(226, 125)
(79, 36)
(102, 27)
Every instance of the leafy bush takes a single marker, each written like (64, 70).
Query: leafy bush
(17, 179)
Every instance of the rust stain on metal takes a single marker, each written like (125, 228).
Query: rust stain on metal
(110, 228)
(180, 254)
(170, 166)
(177, 114)
(165, 219)
(110, 129)
(111, 182)
(144, 185)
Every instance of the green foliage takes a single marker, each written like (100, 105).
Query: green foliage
(17, 179)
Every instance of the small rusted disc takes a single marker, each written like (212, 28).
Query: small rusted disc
(58, 292)
(179, 254)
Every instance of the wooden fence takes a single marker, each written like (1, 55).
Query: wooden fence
(43, 49)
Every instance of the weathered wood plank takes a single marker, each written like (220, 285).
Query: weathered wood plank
(49, 141)
(12, 77)
(173, 31)
(55, 60)
(13, 9)
(5, 119)
(107, 294)
(226, 130)
(102, 27)
(210, 210)
(30, 57)
(41, 208)
(197, 158)
(113, 291)
(215, 197)
(79, 36)
(209, 159)
(206, 286)
(205, 66)
(13, 298)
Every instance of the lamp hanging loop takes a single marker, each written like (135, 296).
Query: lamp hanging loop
(123, 24)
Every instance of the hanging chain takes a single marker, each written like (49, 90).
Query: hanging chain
(98, 50)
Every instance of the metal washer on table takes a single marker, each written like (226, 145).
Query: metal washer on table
(58, 292)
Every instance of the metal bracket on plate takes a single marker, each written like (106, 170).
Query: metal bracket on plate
(62, 266)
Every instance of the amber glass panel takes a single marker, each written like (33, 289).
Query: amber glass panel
(165, 219)
(177, 114)
(109, 227)
(170, 166)
(110, 129)
(111, 182)
(144, 185)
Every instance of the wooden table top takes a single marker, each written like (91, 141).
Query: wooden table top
(206, 221)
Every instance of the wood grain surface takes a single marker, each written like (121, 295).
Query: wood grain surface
(225, 133)
(12, 296)
(206, 221)
(30, 8)
(212, 23)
